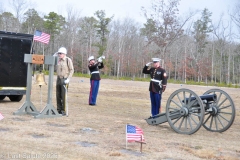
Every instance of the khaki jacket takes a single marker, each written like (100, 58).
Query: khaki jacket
(65, 68)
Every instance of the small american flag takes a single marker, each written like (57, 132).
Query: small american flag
(41, 37)
(1, 116)
(134, 133)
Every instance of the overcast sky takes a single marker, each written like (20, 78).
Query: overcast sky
(127, 8)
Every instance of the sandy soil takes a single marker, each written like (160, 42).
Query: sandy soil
(98, 132)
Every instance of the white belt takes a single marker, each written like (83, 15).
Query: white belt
(154, 80)
(159, 82)
(94, 72)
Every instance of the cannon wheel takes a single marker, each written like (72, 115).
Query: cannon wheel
(220, 114)
(189, 115)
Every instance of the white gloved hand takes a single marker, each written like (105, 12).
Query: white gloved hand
(66, 81)
(149, 63)
(55, 54)
(100, 60)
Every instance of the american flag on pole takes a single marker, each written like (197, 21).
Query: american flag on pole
(134, 133)
(41, 37)
(1, 116)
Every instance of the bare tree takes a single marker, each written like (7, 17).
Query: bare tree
(8, 22)
(1, 8)
(235, 16)
(86, 38)
(163, 25)
(19, 7)
(222, 32)
(71, 29)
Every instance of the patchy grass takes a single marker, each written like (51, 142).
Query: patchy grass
(98, 132)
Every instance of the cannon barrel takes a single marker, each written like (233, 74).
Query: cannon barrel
(205, 98)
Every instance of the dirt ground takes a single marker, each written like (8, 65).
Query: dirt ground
(98, 132)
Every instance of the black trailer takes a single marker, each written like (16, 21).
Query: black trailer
(13, 70)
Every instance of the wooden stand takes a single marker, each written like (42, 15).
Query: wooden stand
(49, 111)
(28, 108)
(141, 142)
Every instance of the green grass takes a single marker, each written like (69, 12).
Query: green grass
(148, 79)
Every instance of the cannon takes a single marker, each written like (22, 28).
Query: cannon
(186, 112)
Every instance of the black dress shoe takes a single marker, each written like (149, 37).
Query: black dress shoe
(63, 113)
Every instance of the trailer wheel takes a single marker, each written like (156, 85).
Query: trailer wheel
(2, 97)
(15, 98)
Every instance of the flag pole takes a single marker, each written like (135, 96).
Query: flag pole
(33, 41)
(32, 47)
(43, 55)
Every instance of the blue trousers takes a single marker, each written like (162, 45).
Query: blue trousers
(93, 91)
(155, 103)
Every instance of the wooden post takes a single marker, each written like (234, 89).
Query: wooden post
(141, 142)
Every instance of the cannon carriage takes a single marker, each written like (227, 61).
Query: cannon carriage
(186, 112)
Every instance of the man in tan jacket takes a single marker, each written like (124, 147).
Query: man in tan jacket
(65, 71)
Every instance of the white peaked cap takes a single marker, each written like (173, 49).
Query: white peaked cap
(156, 59)
(90, 58)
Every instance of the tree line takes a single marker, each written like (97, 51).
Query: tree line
(191, 48)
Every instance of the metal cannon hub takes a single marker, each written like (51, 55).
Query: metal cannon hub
(213, 110)
(183, 111)
(186, 112)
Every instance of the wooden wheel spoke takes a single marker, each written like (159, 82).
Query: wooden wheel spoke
(179, 100)
(207, 119)
(192, 103)
(193, 120)
(176, 120)
(176, 103)
(207, 113)
(185, 128)
(218, 98)
(174, 109)
(180, 125)
(211, 122)
(216, 124)
(184, 97)
(189, 121)
(226, 106)
(223, 118)
(220, 121)
(225, 113)
(222, 102)
(189, 100)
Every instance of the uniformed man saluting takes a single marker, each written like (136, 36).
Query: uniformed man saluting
(157, 85)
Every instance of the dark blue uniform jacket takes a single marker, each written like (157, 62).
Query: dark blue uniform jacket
(156, 74)
(94, 68)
